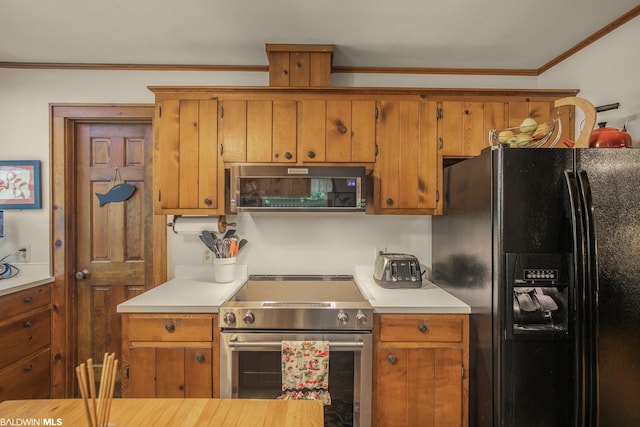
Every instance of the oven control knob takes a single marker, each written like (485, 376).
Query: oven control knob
(343, 318)
(362, 318)
(229, 319)
(248, 318)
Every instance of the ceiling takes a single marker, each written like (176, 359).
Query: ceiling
(452, 34)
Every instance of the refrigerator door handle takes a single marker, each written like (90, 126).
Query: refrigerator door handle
(590, 302)
(577, 294)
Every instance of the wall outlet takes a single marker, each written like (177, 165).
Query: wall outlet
(207, 257)
(22, 256)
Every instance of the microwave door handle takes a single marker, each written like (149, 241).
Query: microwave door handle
(264, 345)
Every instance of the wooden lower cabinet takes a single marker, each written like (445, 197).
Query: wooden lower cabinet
(420, 370)
(170, 355)
(25, 344)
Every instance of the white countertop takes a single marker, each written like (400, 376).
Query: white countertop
(189, 292)
(30, 276)
(427, 299)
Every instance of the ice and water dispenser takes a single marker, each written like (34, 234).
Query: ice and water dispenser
(538, 287)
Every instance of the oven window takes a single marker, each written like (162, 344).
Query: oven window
(260, 377)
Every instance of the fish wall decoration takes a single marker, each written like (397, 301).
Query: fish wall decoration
(117, 193)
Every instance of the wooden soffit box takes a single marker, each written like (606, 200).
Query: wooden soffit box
(300, 65)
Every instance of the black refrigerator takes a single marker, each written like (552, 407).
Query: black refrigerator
(544, 246)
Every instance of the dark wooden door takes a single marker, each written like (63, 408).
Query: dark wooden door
(113, 249)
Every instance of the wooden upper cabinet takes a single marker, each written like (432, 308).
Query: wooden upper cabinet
(299, 65)
(337, 130)
(406, 172)
(258, 130)
(186, 163)
(542, 111)
(465, 124)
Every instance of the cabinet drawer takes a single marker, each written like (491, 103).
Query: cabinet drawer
(171, 328)
(27, 379)
(24, 335)
(416, 328)
(26, 300)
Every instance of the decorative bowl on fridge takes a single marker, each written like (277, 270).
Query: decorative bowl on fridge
(532, 135)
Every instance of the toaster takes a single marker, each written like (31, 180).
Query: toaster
(397, 271)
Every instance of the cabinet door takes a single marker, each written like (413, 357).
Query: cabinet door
(233, 130)
(407, 160)
(312, 130)
(363, 131)
(542, 111)
(141, 372)
(285, 131)
(419, 386)
(451, 118)
(170, 372)
(259, 131)
(186, 169)
(466, 124)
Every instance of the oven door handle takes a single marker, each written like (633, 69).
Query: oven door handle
(343, 345)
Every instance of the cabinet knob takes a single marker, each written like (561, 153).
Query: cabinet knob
(392, 359)
(27, 300)
(170, 327)
(288, 155)
(200, 357)
(389, 201)
(27, 324)
(28, 368)
(423, 327)
(311, 154)
(207, 202)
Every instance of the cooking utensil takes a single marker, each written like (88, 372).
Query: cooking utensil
(233, 247)
(609, 137)
(208, 239)
(230, 232)
(220, 249)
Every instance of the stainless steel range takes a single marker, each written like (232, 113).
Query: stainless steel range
(270, 309)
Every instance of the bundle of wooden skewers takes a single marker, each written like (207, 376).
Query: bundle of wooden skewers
(97, 405)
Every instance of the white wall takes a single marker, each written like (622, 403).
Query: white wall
(605, 72)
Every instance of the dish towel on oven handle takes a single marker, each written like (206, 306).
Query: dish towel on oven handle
(305, 371)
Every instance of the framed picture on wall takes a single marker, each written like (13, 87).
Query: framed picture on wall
(20, 184)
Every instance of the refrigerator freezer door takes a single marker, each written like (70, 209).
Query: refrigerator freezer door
(614, 179)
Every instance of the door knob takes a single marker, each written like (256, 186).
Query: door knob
(81, 275)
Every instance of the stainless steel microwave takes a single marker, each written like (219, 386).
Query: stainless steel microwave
(297, 188)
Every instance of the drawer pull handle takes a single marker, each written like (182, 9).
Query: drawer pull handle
(27, 300)
(200, 357)
(170, 327)
(28, 368)
(423, 328)
(392, 359)
(27, 324)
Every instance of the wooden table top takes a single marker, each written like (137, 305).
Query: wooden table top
(170, 412)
